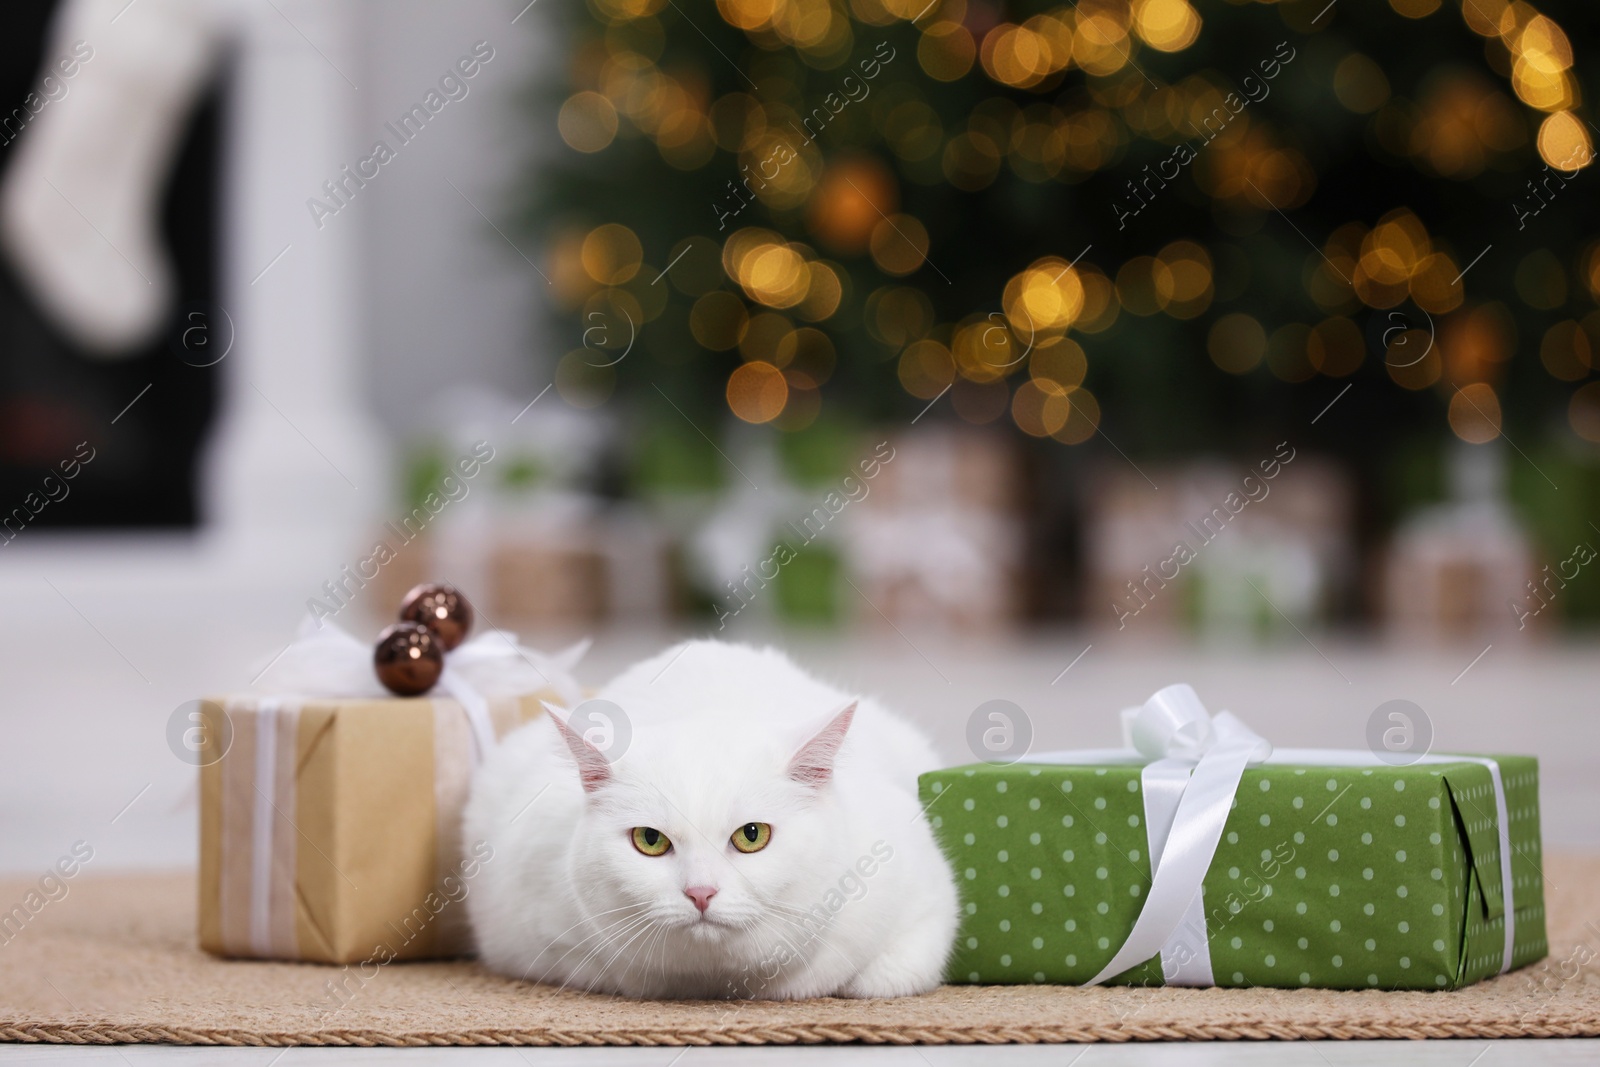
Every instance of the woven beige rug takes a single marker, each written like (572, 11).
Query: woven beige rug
(115, 961)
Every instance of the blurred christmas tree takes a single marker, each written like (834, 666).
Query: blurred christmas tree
(1190, 224)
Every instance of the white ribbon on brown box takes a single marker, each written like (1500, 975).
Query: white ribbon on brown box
(327, 662)
(1192, 764)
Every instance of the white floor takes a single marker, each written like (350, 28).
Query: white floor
(91, 683)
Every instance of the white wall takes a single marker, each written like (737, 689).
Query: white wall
(448, 301)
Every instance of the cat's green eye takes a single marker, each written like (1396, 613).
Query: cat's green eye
(752, 837)
(650, 841)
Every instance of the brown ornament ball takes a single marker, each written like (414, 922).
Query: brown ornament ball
(408, 658)
(442, 609)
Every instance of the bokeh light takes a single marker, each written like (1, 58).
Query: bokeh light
(898, 314)
(1583, 412)
(1040, 407)
(718, 321)
(926, 369)
(824, 294)
(1476, 342)
(778, 302)
(1061, 361)
(853, 196)
(1475, 413)
(1567, 351)
(1047, 296)
(1412, 359)
(1083, 420)
(1183, 288)
(1564, 142)
(757, 392)
(946, 51)
(611, 254)
(588, 122)
(806, 355)
(1360, 84)
(1166, 25)
(899, 244)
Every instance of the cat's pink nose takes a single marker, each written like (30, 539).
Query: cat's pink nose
(701, 895)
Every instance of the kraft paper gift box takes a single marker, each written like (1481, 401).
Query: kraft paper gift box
(330, 828)
(1332, 869)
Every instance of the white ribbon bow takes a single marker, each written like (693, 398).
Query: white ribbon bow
(1196, 762)
(327, 661)
(1193, 763)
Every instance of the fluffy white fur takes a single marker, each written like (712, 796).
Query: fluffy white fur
(852, 896)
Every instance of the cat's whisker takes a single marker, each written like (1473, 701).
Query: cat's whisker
(649, 929)
(799, 918)
(770, 901)
(649, 926)
(589, 982)
(663, 965)
(764, 982)
(793, 918)
(598, 915)
(791, 909)
(811, 936)
(580, 978)
(611, 911)
(790, 924)
(657, 939)
(769, 924)
(603, 933)
(661, 943)
(609, 926)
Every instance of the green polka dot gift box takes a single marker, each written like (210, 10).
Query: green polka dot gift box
(1198, 856)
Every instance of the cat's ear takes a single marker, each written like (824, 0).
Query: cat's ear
(813, 764)
(594, 770)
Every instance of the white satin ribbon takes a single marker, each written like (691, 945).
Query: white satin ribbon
(1192, 766)
(261, 825)
(477, 709)
(1163, 783)
(327, 661)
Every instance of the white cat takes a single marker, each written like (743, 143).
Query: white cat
(760, 837)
